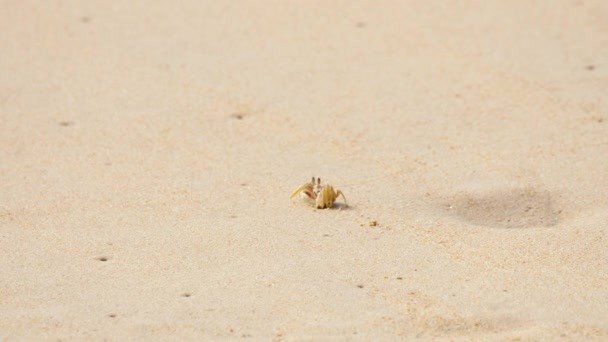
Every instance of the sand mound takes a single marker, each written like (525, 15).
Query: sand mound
(504, 207)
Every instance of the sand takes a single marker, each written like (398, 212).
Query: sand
(148, 150)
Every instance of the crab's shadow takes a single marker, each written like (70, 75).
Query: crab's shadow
(335, 207)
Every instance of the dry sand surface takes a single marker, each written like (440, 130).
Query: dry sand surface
(148, 150)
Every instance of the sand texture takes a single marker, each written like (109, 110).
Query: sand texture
(148, 150)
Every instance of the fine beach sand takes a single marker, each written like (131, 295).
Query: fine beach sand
(148, 150)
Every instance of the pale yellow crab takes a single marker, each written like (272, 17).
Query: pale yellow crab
(323, 195)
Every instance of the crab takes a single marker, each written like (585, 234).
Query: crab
(323, 195)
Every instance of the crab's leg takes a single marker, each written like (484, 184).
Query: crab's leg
(339, 193)
(306, 187)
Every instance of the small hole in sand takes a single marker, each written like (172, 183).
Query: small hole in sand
(112, 315)
(85, 19)
(361, 24)
(186, 295)
(237, 116)
(66, 123)
(103, 258)
(360, 286)
(399, 278)
(590, 67)
(244, 184)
